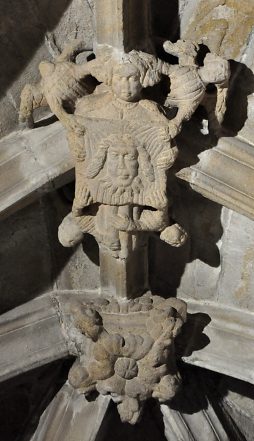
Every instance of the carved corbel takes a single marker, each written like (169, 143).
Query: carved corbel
(124, 147)
(132, 354)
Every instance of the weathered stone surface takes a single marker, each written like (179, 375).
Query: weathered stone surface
(204, 281)
(237, 404)
(124, 277)
(30, 336)
(32, 162)
(236, 282)
(223, 25)
(123, 146)
(62, 84)
(32, 31)
(71, 417)
(125, 81)
(131, 354)
(230, 339)
(224, 174)
(198, 426)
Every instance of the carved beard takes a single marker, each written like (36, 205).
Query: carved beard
(106, 192)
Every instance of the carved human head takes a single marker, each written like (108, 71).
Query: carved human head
(126, 82)
(122, 161)
(186, 47)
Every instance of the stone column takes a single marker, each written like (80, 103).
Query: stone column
(122, 25)
(127, 275)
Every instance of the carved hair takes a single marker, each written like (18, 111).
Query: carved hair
(100, 157)
(98, 161)
(148, 67)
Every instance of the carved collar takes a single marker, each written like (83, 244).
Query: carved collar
(120, 104)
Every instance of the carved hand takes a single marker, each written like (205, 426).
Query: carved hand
(167, 158)
(174, 129)
(123, 223)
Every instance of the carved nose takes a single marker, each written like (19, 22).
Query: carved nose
(121, 163)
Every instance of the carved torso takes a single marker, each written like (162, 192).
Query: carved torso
(185, 85)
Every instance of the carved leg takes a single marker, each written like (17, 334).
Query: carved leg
(185, 112)
(31, 98)
(69, 232)
(214, 124)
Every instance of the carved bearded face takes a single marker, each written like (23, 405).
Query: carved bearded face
(122, 163)
(126, 82)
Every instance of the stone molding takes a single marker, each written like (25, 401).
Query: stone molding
(32, 162)
(224, 174)
(199, 426)
(71, 416)
(48, 319)
(30, 336)
(231, 339)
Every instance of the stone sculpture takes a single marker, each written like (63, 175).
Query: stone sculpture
(62, 83)
(132, 354)
(189, 83)
(120, 185)
(124, 146)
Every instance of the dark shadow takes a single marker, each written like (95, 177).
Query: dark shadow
(25, 256)
(150, 427)
(165, 25)
(24, 398)
(24, 25)
(229, 401)
(91, 248)
(241, 86)
(67, 193)
(198, 215)
(190, 398)
(31, 257)
(202, 388)
(76, 275)
(192, 338)
(45, 121)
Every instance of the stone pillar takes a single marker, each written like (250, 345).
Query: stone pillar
(122, 25)
(125, 277)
